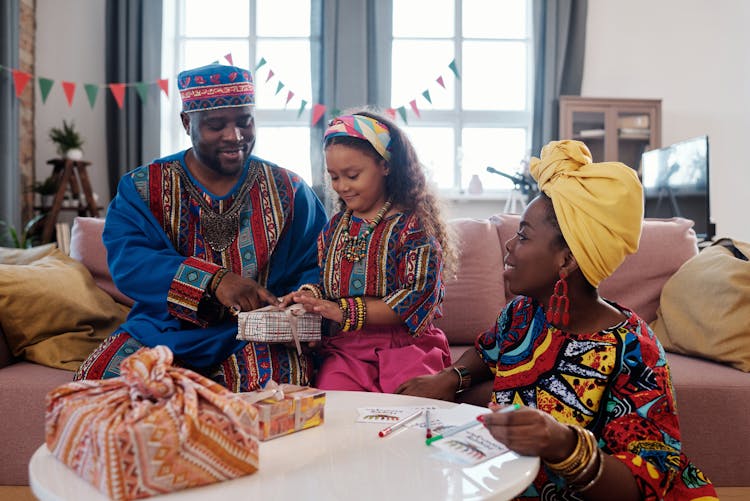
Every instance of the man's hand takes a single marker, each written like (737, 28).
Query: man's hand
(441, 386)
(244, 294)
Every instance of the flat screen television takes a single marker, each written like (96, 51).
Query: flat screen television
(675, 183)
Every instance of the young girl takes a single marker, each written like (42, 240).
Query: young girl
(381, 262)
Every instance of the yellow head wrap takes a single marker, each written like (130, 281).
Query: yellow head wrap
(599, 206)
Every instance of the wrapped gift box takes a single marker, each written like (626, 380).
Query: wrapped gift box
(276, 325)
(298, 409)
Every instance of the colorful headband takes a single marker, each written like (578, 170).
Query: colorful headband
(215, 86)
(362, 127)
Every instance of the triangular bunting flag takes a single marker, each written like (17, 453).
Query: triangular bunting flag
(142, 89)
(289, 96)
(439, 80)
(301, 108)
(260, 63)
(70, 89)
(118, 92)
(91, 92)
(413, 104)
(426, 95)
(45, 85)
(318, 111)
(228, 57)
(402, 111)
(270, 75)
(20, 79)
(278, 88)
(453, 68)
(391, 113)
(164, 85)
(335, 112)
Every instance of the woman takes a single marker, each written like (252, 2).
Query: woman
(598, 405)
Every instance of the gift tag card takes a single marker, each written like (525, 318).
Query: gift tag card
(470, 446)
(391, 415)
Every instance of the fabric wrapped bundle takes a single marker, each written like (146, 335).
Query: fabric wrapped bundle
(275, 325)
(154, 430)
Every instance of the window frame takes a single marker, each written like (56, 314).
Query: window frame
(458, 118)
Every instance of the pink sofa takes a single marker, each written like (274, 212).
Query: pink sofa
(713, 399)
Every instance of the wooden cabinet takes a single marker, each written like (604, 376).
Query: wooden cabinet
(613, 129)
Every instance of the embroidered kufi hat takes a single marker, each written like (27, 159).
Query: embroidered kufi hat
(215, 86)
(599, 206)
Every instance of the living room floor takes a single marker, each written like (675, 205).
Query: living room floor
(23, 493)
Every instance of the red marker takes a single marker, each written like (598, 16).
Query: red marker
(387, 431)
(428, 433)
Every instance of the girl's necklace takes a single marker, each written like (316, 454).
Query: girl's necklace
(355, 247)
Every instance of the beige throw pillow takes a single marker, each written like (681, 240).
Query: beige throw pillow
(53, 313)
(705, 308)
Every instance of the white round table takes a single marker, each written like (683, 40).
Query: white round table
(341, 459)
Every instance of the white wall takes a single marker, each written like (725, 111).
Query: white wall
(70, 47)
(694, 55)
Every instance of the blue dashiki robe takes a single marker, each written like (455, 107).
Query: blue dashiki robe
(159, 256)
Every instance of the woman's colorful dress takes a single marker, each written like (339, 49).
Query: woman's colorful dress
(402, 266)
(615, 382)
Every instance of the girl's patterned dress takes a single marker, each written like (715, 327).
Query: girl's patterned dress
(401, 265)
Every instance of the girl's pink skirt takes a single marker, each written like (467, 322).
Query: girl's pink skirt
(380, 358)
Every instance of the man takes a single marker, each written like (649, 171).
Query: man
(205, 231)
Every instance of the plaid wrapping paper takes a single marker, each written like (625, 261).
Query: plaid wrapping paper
(274, 325)
(154, 430)
(286, 408)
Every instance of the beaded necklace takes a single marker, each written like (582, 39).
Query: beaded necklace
(355, 247)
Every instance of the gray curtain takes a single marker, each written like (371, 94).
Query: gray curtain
(10, 182)
(351, 74)
(133, 54)
(559, 41)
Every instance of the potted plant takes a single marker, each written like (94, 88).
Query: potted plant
(46, 190)
(31, 235)
(68, 140)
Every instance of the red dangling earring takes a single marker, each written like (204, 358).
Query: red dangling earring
(559, 304)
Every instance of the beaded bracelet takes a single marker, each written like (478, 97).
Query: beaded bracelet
(216, 280)
(312, 289)
(361, 312)
(344, 307)
(352, 313)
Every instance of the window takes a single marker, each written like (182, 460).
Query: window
(197, 32)
(482, 118)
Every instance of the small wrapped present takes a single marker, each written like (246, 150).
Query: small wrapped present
(154, 430)
(286, 408)
(279, 325)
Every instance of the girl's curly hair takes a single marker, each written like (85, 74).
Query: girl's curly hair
(406, 184)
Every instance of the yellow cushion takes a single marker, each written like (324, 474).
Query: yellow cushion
(705, 308)
(53, 313)
(25, 256)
